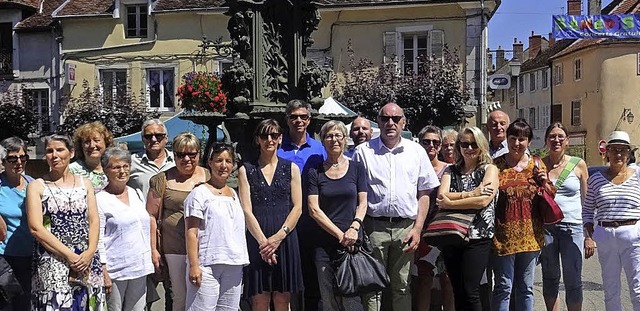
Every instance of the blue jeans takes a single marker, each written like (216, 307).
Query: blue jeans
(563, 240)
(514, 271)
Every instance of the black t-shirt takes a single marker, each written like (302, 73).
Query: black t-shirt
(338, 199)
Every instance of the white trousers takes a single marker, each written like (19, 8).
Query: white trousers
(220, 289)
(177, 265)
(619, 248)
(128, 295)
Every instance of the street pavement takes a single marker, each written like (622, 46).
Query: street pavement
(591, 283)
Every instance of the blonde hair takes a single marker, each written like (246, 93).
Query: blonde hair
(85, 132)
(184, 141)
(483, 146)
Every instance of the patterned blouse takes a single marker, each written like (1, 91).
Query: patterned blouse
(98, 179)
(519, 226)
(482, 226)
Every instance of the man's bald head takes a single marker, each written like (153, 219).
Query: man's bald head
(497, 126)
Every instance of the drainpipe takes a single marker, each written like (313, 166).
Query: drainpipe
(483, 72)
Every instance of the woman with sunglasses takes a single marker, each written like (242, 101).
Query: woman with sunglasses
(449, 137)
(63, 218)
(564, 240)
(165, 203)
(611, 217)
(428, 262)
(519, 231)
(470, 184)
(271, 195)
(338, 203)
(92, 139)
(17, 246)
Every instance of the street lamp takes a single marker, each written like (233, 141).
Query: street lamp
(626, 115)
(515, 65)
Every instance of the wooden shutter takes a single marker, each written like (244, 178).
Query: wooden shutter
(437, 43)
(390, 42)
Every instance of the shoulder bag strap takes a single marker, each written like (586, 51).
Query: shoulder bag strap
(573, 161)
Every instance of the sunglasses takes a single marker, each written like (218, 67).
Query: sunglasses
(465, 145)
(159, 136)
(386, 119)
(303, 117)
(266, 136)
(14, 158)
(430, 142)
(620, 150)
(183, 155)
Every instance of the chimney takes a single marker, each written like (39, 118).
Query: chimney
(490, 67)
(535, 42)
(574, 7)
(594, 7)
(518, 50)
(500, 61)
(552, 40)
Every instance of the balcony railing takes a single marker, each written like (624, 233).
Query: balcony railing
(6, 62)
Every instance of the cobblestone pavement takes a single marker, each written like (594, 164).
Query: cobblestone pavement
(592, 285)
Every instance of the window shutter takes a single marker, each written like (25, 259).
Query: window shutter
(437, 43)
(390, 41)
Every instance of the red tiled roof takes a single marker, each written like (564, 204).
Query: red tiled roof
(35, 4)
(86, 7)
(616, 7)
(173, 5)
(40, 20)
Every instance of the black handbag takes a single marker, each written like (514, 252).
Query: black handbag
(359, 272)
(9, 285)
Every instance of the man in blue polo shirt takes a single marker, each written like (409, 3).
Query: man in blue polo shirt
(306, 152)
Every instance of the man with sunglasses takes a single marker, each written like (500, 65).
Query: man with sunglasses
(306, 152)
(400, 180)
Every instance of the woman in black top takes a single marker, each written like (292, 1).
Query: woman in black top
(338, 203)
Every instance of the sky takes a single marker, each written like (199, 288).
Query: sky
(517, 18)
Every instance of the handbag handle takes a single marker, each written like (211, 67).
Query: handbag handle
(547, 187)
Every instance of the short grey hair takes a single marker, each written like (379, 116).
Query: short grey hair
(11, 144)
(296, 104)
(450, 134)
(152, 122)
(115, 154)
(65, 139)
(333, 124)
(430, 129)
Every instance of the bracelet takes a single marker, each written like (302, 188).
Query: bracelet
(354, 228)
(358, 220)
(286, 230)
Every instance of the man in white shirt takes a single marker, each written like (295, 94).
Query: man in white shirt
(497, 128)
(400, 179)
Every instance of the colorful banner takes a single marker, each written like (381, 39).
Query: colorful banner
(596, 26)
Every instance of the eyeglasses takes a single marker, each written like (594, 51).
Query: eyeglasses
(303, 117)
(14, 158)
(183, 155)
(465, 145)
(159, 136)
(266, 136)
(620, 150)
(386, 119)
(125, 167)
(430, 142)
(557, 137)
(334, 137)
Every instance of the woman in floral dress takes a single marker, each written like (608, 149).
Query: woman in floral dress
(62, 216)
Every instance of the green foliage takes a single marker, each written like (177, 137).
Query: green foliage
(539, 152)
(434, 95)
(122, 115)
(16, 117)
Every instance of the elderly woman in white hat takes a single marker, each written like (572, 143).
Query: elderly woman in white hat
(611, 214)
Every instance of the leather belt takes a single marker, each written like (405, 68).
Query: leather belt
(617, 223)
(389, 219)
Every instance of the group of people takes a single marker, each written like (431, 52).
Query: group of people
(99, 233)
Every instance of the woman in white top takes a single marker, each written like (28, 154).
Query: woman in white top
(216, 242)
(612, 204)
(125, 247)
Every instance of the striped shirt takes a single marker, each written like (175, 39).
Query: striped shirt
(606, 201)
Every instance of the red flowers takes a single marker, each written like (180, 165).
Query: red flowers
(202, 91)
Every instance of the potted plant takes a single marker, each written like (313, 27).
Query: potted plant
(202, 92)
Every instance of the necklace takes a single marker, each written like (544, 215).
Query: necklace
(70, 196)
(218, 191)
(559, 164)
(334, 165)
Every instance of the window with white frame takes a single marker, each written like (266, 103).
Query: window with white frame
(577, 69)
(113, 84)
(532, 81)
(576, 112)
(557, 74)
(545, 78)
(412, 44)
(38, 100)
(532, 118)
(136, 21)
(161, 88)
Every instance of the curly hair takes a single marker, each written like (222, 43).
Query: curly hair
(86, 131)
